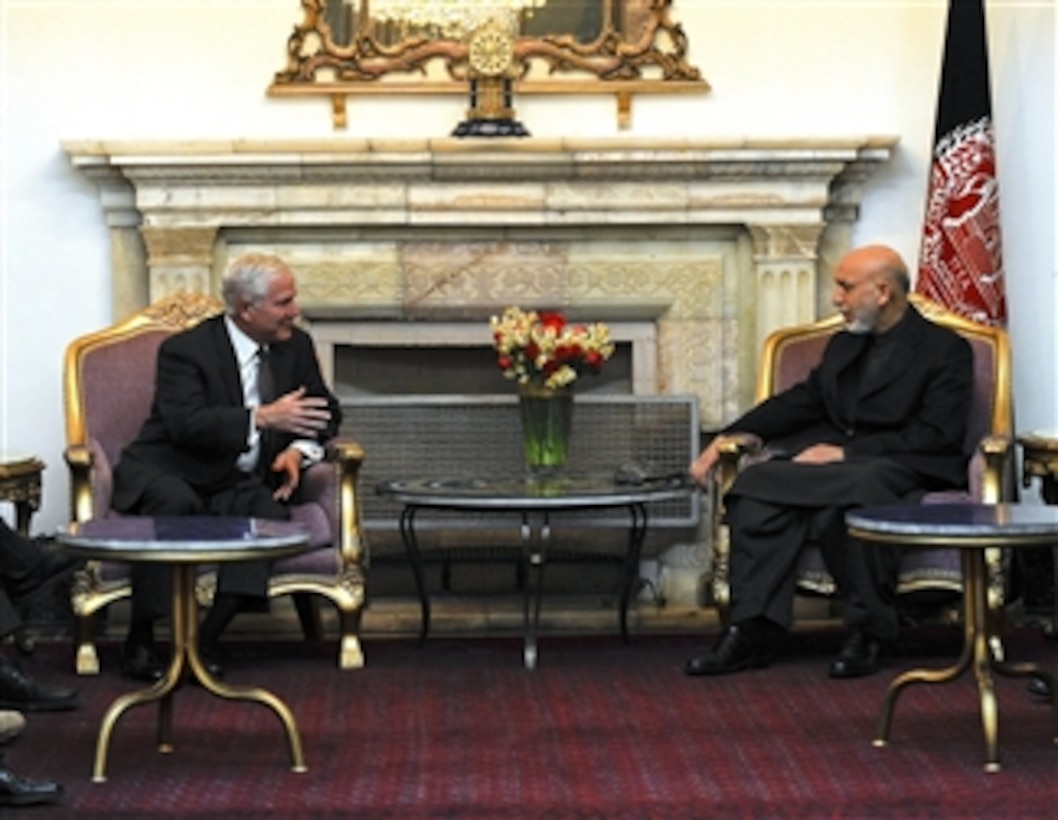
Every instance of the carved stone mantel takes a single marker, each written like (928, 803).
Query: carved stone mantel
(720, 241)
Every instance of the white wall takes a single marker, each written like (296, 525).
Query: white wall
(126, 69)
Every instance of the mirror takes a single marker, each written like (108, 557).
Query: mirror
(618, 47)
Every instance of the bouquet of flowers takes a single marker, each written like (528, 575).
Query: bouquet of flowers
(543, 349)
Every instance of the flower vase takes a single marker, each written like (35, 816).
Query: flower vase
(547, 415)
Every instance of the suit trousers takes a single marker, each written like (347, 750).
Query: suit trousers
(18, 557)
(171, 495)
(777, 508)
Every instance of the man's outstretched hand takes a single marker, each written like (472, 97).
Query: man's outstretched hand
(295, 413)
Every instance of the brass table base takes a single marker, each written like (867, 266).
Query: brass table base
(977, 653)
(185, 652)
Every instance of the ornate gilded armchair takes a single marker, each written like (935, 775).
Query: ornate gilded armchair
(788, 356)
(108, 387)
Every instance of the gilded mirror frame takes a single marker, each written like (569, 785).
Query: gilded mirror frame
(653, 61)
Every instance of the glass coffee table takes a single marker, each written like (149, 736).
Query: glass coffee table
(185, 542)
(534, 503)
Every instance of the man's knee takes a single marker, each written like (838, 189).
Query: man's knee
(170, 495)
(751, 515)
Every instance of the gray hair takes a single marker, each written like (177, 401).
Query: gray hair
(899, 276)
(247, 279)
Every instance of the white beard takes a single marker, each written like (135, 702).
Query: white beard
(865, 321)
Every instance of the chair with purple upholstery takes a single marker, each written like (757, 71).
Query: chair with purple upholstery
(108, 386)
(788, 356)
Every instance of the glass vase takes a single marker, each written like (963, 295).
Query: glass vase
(547, 415)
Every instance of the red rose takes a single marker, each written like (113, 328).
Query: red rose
(552, 320)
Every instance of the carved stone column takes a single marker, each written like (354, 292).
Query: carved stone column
(785, 261)
(180, 259)
(128, 257)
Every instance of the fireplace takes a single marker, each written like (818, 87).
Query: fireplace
(692, 251)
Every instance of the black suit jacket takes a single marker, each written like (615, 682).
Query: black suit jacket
(198, 424)
(913, 409)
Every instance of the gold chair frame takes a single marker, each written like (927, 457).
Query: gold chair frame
(994, 450)
(91, 592)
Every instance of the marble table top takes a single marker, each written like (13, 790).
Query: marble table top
(184, 539)
(1007, 523)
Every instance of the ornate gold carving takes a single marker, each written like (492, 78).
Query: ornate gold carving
(649, 58)
(183, 309)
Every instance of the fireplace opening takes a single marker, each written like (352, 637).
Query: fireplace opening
(402, 371)
(365, 359)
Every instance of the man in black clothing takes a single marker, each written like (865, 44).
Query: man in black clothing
(240, 409)
(28, 570)
(882, 419)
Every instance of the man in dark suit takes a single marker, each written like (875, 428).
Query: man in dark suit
(882, 419)
(28, 570)
(240, 409)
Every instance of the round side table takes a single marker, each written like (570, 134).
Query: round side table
(972, 529)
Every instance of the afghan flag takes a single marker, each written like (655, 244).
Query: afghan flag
(961, 262)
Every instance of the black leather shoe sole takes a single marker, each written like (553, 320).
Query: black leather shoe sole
(22, 693)
(211, 660)
(140, 663)
(14, 791)
(855, 667)
(1038, 688)
(709, 664)
(50, 704)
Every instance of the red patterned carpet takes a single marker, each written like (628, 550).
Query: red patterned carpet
(459, 729)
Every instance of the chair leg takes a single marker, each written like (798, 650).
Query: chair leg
(86, 661)
(308, 609)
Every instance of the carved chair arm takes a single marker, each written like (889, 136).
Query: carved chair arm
(997, 484)
(347, 455)
(79, 461)
(996, 478)
(734, 449)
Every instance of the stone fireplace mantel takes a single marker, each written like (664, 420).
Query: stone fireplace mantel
(718, 241)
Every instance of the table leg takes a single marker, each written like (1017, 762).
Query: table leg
(536, 535)
(975, 594)
(411, 547)
(637, 534)
(185, 646)
(160, 691)
(978, 652)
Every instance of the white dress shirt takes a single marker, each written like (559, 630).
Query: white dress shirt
(246, 355)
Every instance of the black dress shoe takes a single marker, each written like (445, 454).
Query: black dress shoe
(18, 791)
(1040, 688)
(54, 566)
(859, 656)
(19, 691)
(212, 660)
(139, 662)
(741, 646)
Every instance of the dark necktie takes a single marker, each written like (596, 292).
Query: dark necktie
(266, 385)
(266, 393)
